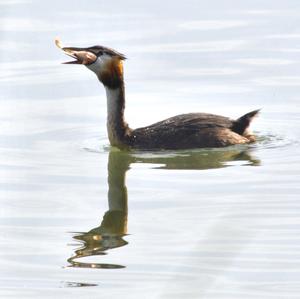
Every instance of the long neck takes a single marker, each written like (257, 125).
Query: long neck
(117, 128)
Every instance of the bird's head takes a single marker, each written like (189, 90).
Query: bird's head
(106, 63)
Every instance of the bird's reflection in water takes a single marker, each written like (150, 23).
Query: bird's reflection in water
(113, 228)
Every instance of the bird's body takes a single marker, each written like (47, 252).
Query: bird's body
(185, 131)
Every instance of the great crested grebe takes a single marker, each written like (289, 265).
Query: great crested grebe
(185, 131)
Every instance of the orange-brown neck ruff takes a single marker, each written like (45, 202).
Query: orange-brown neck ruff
(111, 74)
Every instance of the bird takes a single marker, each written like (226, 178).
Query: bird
(180, 132)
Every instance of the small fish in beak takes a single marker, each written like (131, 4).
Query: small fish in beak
(80, 54)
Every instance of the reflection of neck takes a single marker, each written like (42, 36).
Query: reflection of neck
(117, 128)
(117, 192)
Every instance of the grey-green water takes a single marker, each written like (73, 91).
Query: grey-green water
(81, 219)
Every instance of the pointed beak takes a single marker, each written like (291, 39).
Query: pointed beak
(81, 55)
(72, 52)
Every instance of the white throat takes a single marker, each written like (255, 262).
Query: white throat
(113, 100)
(99, 63)
(114, 114)
(95, 66)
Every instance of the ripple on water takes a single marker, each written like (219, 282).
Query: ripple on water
(96, 144)
(272, 141)
(73, 284)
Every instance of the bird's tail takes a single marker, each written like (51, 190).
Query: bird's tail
(241, 124)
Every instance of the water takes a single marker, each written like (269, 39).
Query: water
(81, 219)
